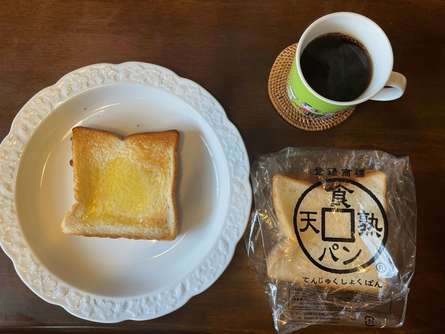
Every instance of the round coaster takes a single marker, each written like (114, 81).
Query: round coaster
(296, 116)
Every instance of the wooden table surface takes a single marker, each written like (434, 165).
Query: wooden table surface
(229, 47)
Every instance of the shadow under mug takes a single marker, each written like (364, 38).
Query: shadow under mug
(384, 85)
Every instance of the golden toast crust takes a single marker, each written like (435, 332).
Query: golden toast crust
(152, 151)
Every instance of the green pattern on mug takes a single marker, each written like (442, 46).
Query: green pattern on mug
(300, 96)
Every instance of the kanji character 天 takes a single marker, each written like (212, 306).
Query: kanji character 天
(308, 220)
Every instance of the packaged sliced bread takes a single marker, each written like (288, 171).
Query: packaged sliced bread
(333, 236)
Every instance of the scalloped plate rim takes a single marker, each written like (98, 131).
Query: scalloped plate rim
(188, 295)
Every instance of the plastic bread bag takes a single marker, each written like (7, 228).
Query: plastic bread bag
(333, 236)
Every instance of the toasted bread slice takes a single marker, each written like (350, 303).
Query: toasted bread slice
(123, 187)
(288, 262)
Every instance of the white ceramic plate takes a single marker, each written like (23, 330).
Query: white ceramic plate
(110, 280)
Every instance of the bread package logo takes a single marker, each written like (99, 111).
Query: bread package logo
(341, 225)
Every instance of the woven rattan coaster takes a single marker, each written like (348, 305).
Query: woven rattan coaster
(298, 117)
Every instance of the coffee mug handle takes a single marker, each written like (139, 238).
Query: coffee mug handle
(394, 88)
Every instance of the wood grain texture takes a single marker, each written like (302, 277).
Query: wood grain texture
(229, 47)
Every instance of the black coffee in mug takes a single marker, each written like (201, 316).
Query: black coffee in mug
(336, 66)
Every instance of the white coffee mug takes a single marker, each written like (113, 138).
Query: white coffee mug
(384, 84)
